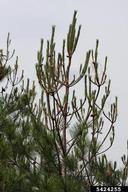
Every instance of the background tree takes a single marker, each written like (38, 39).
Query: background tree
(58, 143)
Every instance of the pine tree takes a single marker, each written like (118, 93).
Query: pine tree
(58, 143)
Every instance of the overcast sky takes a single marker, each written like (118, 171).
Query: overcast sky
(107, 20)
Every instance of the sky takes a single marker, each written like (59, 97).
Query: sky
(107, 20)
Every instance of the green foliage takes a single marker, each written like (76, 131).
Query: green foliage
(57, 143)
